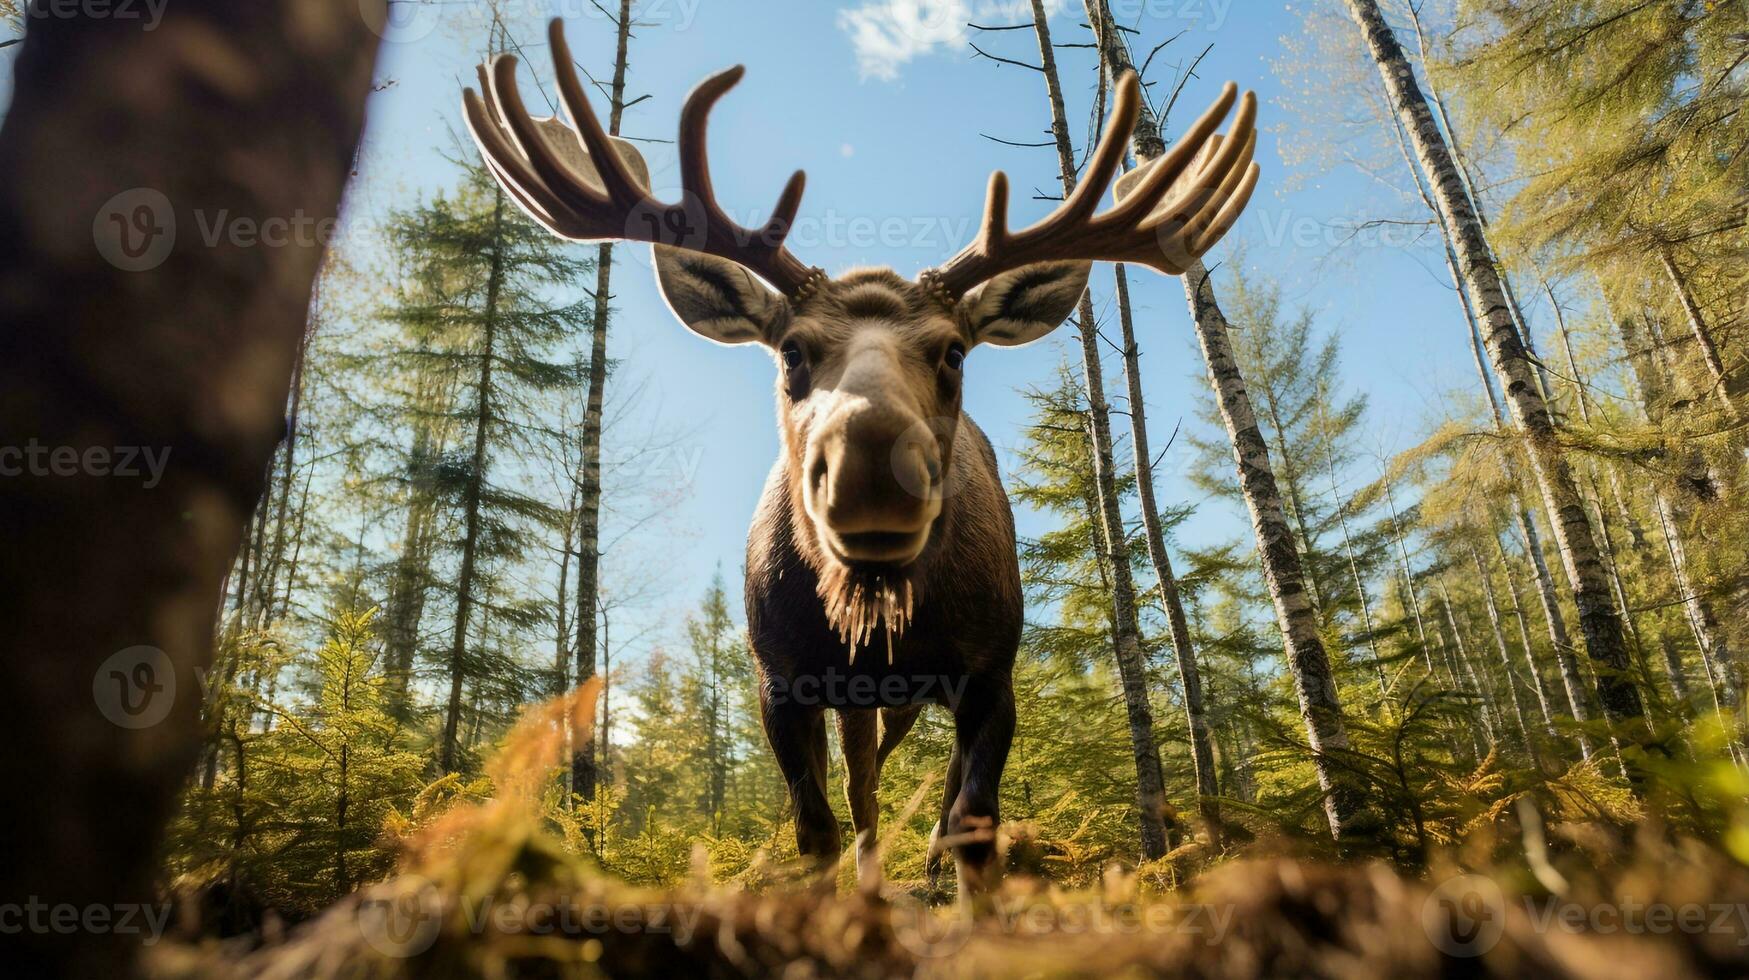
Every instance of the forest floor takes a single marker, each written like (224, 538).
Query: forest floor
(488, 890)
(514, 908)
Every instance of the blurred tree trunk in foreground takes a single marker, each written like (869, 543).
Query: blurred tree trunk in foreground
(130, 327)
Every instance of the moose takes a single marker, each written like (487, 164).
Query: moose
(882, 572)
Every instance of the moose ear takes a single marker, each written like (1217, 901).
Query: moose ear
(716, 298)
(1021, 305)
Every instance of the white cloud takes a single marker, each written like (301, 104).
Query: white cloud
(888, 33)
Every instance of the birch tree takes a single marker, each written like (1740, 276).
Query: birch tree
(1309, 663)
(1575, 538)
(1126, 635)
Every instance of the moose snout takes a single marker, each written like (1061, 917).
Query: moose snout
(873, 486)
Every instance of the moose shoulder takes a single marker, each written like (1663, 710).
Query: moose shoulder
(881, 565)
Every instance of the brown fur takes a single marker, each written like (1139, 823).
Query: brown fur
(944, 627)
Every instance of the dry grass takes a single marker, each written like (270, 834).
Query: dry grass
(487, 892)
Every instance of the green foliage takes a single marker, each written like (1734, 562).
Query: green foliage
(299, 816)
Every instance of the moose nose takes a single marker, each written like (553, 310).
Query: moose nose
(874, 486)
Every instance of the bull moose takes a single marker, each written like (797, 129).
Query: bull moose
(881, 565)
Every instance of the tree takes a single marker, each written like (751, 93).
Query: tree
(484, 274)
(1574, 535)
(583, 764)
(1307, 659)
(106, 354)
(1126, 635)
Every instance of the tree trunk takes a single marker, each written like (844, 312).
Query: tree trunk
(1513, 594)
(464, 586)
(1202, 754)
(1314, 681)
(1411, 600)
(1126, 638)
(1372, 641)
(1574, 536)
(1708, 636)
(186, 350)
(1482, 686)
(1486, 580)
(1703, 335)
(583, 764)
(288, 462)
(1571, 680)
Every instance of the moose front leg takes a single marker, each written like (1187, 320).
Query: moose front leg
(859, 737)
(983, 731)
(797, 734)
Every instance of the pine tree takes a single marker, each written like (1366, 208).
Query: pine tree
(485, 278)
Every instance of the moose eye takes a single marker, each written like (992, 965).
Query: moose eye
(792, 355)
(955, 357)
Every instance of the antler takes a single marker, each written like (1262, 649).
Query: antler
(614, 205)
(1140, 229)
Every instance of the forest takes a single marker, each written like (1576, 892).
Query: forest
(1292, 697)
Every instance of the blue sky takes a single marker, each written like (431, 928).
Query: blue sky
(883, 104)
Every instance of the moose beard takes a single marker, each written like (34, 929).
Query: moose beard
(858, 602)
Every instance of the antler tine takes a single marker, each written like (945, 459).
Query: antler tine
(560, 180)
(1129, 232)
(1106, 157)
(615, 178)
(760, 250)
(1166, 170)
(567, 201)
(506, 164)
(1229, 213)
(994, 231)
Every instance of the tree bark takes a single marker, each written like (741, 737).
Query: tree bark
(1513, 594)
(1314, 680)
(1483, 688)
(583, 763)
(1574, 536)
(1202, 754)
(1126, 637)
(182, 349)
